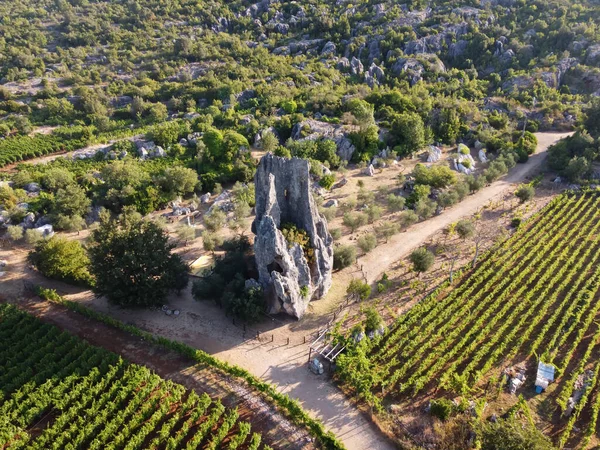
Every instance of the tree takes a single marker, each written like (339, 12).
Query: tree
(180, 180)
(525, 192)
(57, 178)
(425, 208)
(367, 242)
(373, 212)
(422, 259)
(408, 132)
(343, 256)
(32, 237)
(15, 232)
(166, 134)
(465, 229)
(215, 220)
(358, 290)
(395, 202)
(408, 218)
(210, 241)
(269, 142)
(434, 176)
(387, 229)
(132, 262)
(70, 201)
(527, 143)
(186, 233)
(62, 259)
(355, 220)
(373, 320)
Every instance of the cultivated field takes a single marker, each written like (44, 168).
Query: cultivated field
(536, 295)
(59, 392)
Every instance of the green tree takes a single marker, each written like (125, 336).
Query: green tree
(166, 134)
(525, 192)
(57, 178)
(269, 142)
(358, 290)
(62, 259)
(367, 242)
(133, 264)
(70, 201)
(180, 180)
(434, 176)
(465, 229)
(408, 132)
(387, 229)
(422, 259)
(343, 256)
(355, 220)
(395, 202)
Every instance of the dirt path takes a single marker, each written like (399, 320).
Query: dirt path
(203, 325)
(377, 261)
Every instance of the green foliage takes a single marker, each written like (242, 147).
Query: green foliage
(343, 256)
(434, 176)
(443, 408)
(295, 235)
(367, 242)
(422, 259)
(525, 192)
(395, 202)
(372, 320)
(225, 284)
(465, 228)
(510, 434)
(327, 181)
(132, 263)
(63, 260)
(358, 290)
(408, 133)
(355, 220)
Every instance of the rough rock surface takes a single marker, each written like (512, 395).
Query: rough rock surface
(317, 129)
(283, 196)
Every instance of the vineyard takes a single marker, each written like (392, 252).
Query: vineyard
(21, 148)
(56, 391)
(534, 296)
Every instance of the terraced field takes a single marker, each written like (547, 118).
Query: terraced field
(56, 391)
(535, 295)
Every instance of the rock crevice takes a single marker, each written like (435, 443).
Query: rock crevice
(283, 195)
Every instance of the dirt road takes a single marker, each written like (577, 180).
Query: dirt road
(203, 325)
(377, 261)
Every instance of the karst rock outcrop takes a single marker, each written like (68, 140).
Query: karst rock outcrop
(289, 278)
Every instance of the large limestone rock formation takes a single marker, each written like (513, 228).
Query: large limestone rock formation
(283, 195)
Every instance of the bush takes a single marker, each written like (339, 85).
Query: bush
(327, 181)
(373, 320)
(355, 220)
(422, 259)
(525, 192)
(343, 256)
(442, 408)
(395, 202)
(336, 233)
(367, 242)
(510, 434)
(465, 228)
(434, 176)
(15, 232)
(62, 259)
(358, 289)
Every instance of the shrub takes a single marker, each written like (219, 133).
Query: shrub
(465, 228)
(327, 181)
(442, 408)
(434, 176)
(355, 220)
(15, 232)
(367, 242)
(373, 320)
(344, 256)
(525, 192)
(395, 202)
(358, 289)
(336, 233)
(62, 259)
(422, 259)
